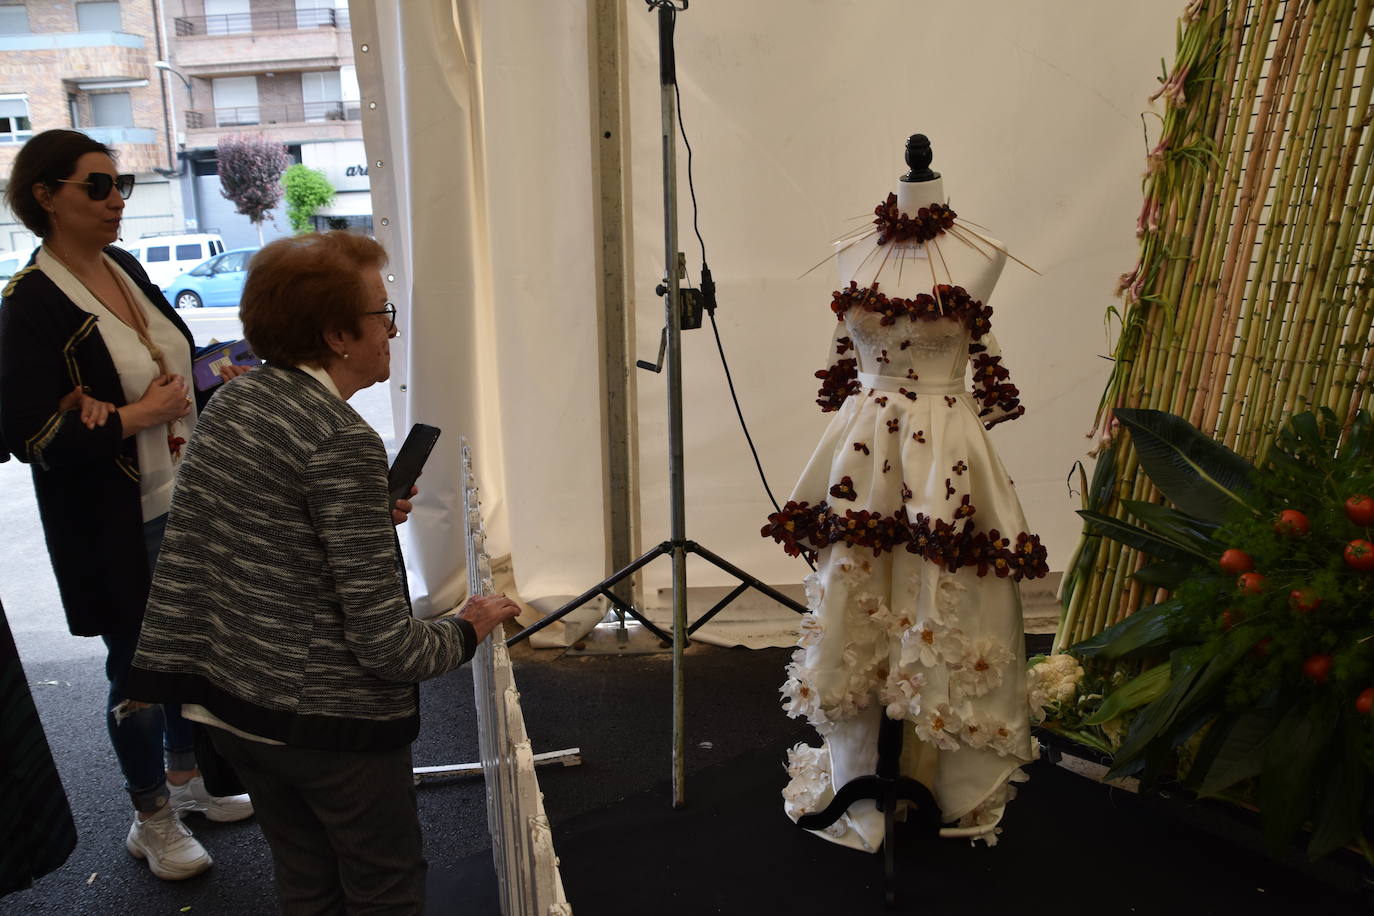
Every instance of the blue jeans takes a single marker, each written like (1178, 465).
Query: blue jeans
(140, 738)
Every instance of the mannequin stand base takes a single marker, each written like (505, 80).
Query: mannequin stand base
(886, 789)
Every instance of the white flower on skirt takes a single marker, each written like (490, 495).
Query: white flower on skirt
(1001, 738)
(809, 769)
(810, 631)
(949, 595)
(977, 734)
(854, 573)
(929, 643)
(980, 669)
(815, 591)
(799, 693)
(940, 727)
(902, 696)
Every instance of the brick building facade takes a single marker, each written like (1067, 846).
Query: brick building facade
(89, 66)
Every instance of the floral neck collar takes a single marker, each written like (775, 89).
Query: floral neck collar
(895, 226)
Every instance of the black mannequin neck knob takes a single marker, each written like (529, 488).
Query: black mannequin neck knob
(918, 157)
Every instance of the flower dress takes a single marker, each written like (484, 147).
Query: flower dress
(914, 611)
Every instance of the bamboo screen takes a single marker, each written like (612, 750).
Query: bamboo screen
(1252, 298)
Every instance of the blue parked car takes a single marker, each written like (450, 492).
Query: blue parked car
(216, 281)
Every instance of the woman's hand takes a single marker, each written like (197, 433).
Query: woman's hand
(233, 371)
(401, 511)
(93, 412)
(486, 613)
(164, 400)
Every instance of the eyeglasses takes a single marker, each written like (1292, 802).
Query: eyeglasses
(99, 184)
(390, 313)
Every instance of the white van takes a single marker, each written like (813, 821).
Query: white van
(165, 256)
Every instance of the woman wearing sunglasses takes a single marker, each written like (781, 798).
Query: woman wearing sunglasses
(93, 395)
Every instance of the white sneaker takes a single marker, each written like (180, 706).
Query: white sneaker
(172, 853)
(193, 798)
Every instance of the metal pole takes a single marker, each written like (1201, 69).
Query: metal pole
(672, 315)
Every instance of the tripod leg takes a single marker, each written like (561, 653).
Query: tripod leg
(751, 581)
(591, 593)
(720, 606)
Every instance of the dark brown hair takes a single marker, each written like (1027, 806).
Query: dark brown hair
(301, 288)
(44, 159)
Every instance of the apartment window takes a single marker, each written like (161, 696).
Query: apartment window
(236, 100)
(112, 109)
(321, 91)
(14, 119)
(227, 17)
(98, 17)
(14, 20)
(312, 14)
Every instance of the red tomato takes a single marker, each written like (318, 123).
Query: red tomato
(1261, 648)
(1234, 562)
(1359, 554)
(1317, 667)
(1360, 510)
(1229, 618)
(1304, 600)
(1251, 583)
(1365, 701)
(1292, 523)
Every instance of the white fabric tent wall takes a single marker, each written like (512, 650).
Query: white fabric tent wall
(797, 112)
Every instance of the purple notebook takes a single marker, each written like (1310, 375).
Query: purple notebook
(210, 360)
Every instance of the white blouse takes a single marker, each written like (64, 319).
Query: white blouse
(137, 369)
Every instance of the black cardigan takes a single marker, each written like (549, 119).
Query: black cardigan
(86, 480)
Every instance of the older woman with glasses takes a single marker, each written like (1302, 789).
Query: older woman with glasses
(279, 616)
(93, 395)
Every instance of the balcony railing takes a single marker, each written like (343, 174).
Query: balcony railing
(249, 115)
(247, 23)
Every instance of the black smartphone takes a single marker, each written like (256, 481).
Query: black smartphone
(410, 460)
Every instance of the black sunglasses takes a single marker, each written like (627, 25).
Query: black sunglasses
(390, 313)
(99, 184)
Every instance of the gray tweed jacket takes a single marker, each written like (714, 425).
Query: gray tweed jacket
(279, 601)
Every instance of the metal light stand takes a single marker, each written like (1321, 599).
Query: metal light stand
(678, 546)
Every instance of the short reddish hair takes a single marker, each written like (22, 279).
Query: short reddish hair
(301, 288)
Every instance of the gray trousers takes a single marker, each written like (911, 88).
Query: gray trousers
(343, 826)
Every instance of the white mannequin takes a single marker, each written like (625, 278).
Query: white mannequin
(963, 256)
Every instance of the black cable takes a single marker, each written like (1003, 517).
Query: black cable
(691, 187)
(711, 311)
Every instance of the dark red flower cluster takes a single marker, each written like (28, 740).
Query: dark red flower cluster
(844, 489)
(837, 383)
(895, 226)
(990, 386)
(803, 528)
(943, 301)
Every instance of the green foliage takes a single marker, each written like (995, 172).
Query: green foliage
(1195, 472)
(250, 169)
(1235, 689)
(307, 190)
